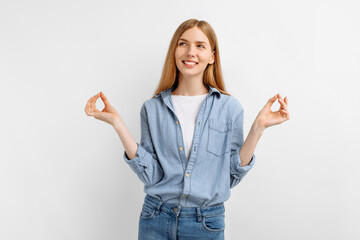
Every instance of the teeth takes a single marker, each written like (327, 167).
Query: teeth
(190, 63)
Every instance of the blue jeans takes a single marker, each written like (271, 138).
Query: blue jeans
(163, 221)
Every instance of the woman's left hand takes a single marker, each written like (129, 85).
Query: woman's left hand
(267, 118)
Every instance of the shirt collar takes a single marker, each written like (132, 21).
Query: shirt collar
(168, 91)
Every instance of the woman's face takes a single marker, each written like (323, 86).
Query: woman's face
(193, 52)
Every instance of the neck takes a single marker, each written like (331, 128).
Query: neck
(190, 86)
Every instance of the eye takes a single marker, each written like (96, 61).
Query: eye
(181, 43)
(202, 46)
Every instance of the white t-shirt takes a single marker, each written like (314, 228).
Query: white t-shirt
(187, 109)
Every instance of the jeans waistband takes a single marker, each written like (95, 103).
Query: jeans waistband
(180, 211)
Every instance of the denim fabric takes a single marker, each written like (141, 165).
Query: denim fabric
(214, 164)
(163, 221)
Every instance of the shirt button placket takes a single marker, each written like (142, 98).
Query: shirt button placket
(181, 148)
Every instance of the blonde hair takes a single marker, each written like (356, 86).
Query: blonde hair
(212, 74)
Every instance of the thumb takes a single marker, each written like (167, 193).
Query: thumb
(104, 99)
(271, 100)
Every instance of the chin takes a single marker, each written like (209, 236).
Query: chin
(190, 74)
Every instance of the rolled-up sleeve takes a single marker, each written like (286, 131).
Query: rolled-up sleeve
(237, 173)
(145, 164)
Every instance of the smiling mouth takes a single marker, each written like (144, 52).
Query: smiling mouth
(189, 64)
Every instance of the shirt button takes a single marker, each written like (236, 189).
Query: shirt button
(187, 174)
(177, 122)
(181, 148)
(175, 210)
(183, 196)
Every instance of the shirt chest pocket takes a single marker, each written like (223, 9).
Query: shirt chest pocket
(219, 136)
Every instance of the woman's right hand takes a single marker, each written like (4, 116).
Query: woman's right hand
(108, 114)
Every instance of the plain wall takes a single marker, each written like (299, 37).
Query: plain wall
(62, 173)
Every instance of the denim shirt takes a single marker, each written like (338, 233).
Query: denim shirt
(213, 167)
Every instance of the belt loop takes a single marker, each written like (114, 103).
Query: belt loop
(157, 210)
(198, 214)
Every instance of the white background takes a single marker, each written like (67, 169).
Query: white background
(62, 173)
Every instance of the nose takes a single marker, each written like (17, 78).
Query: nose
(190, 51)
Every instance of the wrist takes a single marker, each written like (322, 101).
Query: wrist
(117, 123)
(258, 127)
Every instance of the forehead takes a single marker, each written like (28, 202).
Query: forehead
(194, 34)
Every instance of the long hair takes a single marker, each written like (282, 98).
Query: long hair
(212, 74)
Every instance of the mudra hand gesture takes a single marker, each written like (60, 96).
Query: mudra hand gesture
(108, 114)
(267, 118)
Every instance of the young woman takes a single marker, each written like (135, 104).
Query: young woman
(192, 150)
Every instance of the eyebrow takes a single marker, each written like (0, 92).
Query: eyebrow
(195, 41)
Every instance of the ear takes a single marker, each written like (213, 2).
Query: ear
(212, 59)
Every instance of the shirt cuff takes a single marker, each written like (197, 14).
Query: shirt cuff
(140, 161)
(236, 170)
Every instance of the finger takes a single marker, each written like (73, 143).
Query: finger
(281, 97)
(91, 114)
(281, 101)
(104, 98)
(92, 111)
(286, 114)
(90, 106)
(286, 101)
(88, 110)
(95, 97)
(283, 104)
(89, 101)
(93, 102)
(87, 105)
(271, 100)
